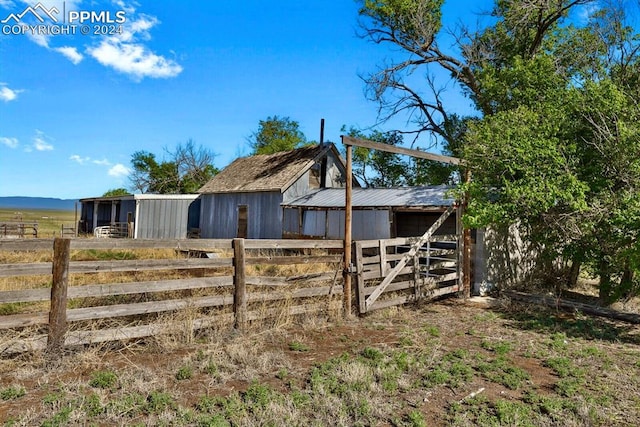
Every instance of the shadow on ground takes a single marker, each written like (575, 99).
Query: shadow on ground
(574, 325)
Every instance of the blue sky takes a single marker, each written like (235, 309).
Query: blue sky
(75, 107)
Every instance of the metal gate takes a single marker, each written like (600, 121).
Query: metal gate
(411, 268)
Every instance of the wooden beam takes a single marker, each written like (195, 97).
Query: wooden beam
(357, 142)
(568, 305)
(466, 238)
(347, 234)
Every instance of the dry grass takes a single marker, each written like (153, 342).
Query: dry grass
(179, 327)
(49, 221)
(402, 366)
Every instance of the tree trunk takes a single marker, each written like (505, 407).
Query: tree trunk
(606, 284)
(626, 283)
(574, 272)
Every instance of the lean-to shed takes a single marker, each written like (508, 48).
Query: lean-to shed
(143, 216)
(378, 213)
(244, 199)
(384, 213)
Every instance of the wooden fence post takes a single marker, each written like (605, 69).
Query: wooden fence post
(347, 235)
(240, 285)
(58, 310)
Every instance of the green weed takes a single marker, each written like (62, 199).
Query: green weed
(184, 373)
(11, 393)
(92, 406)
(499, 347)
(432, 331)
(103, 379)
(158, 401)
(501, 371)
(211, 368)
(258, 395)
(372, 354)
(298, 346)
(416, 419)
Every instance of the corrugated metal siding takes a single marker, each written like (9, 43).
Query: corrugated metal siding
(86, 216)
(314, 223)
(127, 206)
(290, 221)
(365, 225)
(219, 215)
(162, 219)
(104, 214)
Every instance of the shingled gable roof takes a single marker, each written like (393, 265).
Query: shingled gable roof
(266, 172)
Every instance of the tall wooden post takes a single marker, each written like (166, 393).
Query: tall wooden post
(466, 256)
(347, 236)
(58, 309)
(240, 285)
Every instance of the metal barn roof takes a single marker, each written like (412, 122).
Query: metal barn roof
(433, 196)
(146, 196)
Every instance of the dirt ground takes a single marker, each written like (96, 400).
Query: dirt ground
(283, 357)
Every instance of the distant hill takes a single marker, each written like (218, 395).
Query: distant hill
(46, 203)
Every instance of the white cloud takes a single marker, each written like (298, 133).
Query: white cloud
(9, 142)
(586, 12)
(118, 171)
(39, 39)
(134, 59)
(128, 8)
(41, 142)
(79, 159)
(125, 53)
(71, 53)
(103, 162)
(7, 4)
(7, 94)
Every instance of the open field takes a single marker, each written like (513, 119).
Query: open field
(445, 363)
(49, 221)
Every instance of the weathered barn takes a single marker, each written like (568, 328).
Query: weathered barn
(378, 213)
(142, 216)
(244, 199)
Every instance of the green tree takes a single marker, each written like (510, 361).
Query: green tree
(554, 147)
(383, 169)
(378, 168)
(188, 168)
(562, 158)
(116, 192)
(276, 134)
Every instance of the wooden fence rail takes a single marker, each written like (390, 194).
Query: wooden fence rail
(18, 229)
(236, 289)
